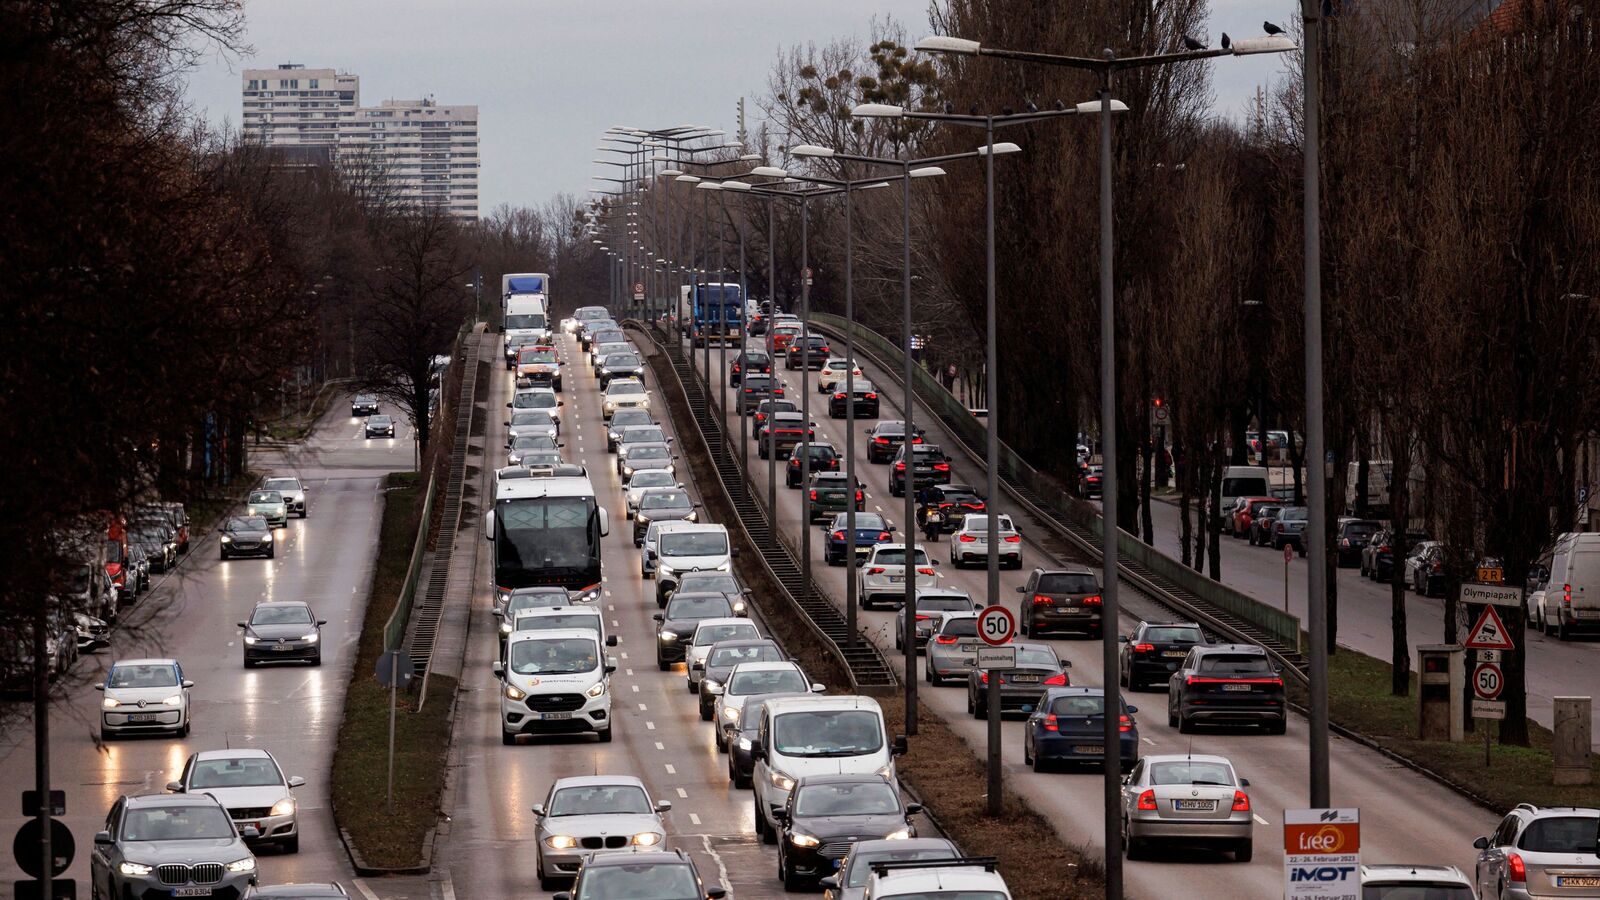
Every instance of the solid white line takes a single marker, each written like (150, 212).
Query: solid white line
(367, 892)
(670, 769)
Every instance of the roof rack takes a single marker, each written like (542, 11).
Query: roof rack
(988, 863)
(1527, 806)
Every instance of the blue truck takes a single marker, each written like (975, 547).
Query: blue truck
(712, 312)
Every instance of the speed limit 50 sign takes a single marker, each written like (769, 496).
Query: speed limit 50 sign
(1487, 681)
(996, 625)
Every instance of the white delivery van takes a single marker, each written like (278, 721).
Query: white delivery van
(1242, 481)
(527, 322)
(817, 735)
(1571, 597)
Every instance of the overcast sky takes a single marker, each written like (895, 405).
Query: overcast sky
(548, 76)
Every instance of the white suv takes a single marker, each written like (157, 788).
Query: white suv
(555, 682)
(936, 878)
(883, 575)
(832, 376)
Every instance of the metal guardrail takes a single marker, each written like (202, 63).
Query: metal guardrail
(1165, 580)
(867, 669)
(394, 631)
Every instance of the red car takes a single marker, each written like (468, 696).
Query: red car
(783, 336)
(1247, 512)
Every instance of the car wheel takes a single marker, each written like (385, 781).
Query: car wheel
(249, 663)
(706, 709)
(1278, 727)
(899, 642)
(1135, 847)
(224, 554)
(605, 735)
(184, 731)
(981, 712)
(694, 686)
(106, 735)
(1123, 679)
(933, 677)
(1562, 632)
(1244, 850)
(739, 781)
(1184, 725)
(768, 835)
(291, 845)
(316, 661)
(662, 664)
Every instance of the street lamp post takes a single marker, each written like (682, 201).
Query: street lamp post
(1105, 66)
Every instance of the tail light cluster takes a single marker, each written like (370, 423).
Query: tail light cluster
(899, 467)
(925, 570)
(1014, 539)
(1043, 600)
(1147, 801)
(1566, 595)
(1050, 723)
(1144, 648)
(875, 570)
(881, 441)
(945, 639)
(1057, 680)
(941, 467)
(837, 535)
(1241, 800)
(883, 535)
(1093, 600)
(1517, 869)
(1125, 724)
(967, 539)
(813, 493)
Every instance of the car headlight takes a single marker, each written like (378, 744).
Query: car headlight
(268, 538)
(663, 569)
(514, 693)
(135, 869)
(597, 690)
(647, 839)
(110, 703)
(900, 835)
(248, 864)
(668, 637)
(627, 471)
(505, 627)
(744, 744)
(739, 608)
(226, 539)
(779, 780)
(251, 641)
(311, 638)
(561, 842)
(731, 714)
(727, 566)
(642, 519)
(710, 686)
(887, 772)
(174, 700)
(284, 807)
(801, 839)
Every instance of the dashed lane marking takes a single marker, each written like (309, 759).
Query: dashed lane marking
(683, 794)
(670, 769)
(694, 819)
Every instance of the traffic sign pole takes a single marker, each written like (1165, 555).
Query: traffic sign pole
(996, 625)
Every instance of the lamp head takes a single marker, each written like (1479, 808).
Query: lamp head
(1093, 106)
(1000, 148)
(927, 172)
(671, 173)
(943, 43)
(687, 179)
(769, 172)
(878, 111)
(1275, 43)
(812, 150)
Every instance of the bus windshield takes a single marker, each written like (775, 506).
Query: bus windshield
(547, 540)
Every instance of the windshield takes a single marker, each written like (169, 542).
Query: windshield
(718, 582)
(1415, 890)
(644, 453)
(546, 532)
(868, 799)
(254, 771)
(600, 800)
(588, 621)
(281, 484)
(1171, 635)
(537, 355)
(644, 881)
(1560, 834)
(190, 822)
(861, 863)
(896, 556)
(534, 400)
(1037, 657)
(591, 312)
(705, 543)
(1067, 583)
(536, 600)
(705, 606)
(707, 635)
(665, 499)
(526, 320)
(281, 615)
(554, 656)
(265, 497)
(379, 421)
(769, 681)
(247, 523)
(142, 676)
(944, 604)
(844, 732)
(653, 478)
(643, 434)
(616, 360)
(534, 442)
(1235, 664)
(624, 387)
(733, 656)
(1253, 486)
(1189, 772)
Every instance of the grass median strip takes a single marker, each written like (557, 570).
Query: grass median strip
(1359, 699)
(387, 840)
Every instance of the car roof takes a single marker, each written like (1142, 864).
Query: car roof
(562, 486)
(702, 527)
(655, 856)
(746, 642)
(1067, 569)
(145, 661)
(778, 665)
(1170, 624)
(537, 611)
(238, 753)
(915, 882)
(822, 701)
(1401, 873)
(153, 800)
(1245, 649)
(595, 781)
(917, 843)
(942, 591)
(1152, 758)
(280, 604)
(857, 778)
(724, 620)
(553, 633)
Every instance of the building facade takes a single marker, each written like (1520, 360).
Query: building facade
(419, 152)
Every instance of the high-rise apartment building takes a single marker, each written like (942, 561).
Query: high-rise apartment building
(425, 153)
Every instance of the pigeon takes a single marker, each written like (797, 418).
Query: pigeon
(1227, 42)
(1192, 44)
(1060, 105)
(949, 108)
(1271, 28)
(1032, 107)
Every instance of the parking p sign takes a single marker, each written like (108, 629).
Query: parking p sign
(1322, 854)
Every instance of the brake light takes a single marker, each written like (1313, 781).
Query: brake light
(967, 539)
(1042, 600)
(113, 569)
(1059, 679)
(1050, 723)
(899, 467)
(1518, 869)
(1147, 800)
(1092, 601)
(838, 396)
(1345, 542)
(925, 571)
(1241, 800)
(838, 535)
(880, 440)
(1383, 549)
(875, 570)
(1144, 648)
(941, 467)
(945, 639)
(1566, 595)
(922, 618)
(778, 391)
(1013, 538)
(1202, 679)
(872, 396)
(813, 494)
(1124, 724)
(883, 535)
(983, 677)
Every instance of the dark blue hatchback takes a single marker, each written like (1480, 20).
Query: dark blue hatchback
(1069, 727)
(871, 528)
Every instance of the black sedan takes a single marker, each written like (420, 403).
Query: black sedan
(827, 814)
(866, 400)
(755, 388)
(929, 465)
(620, 365)
(886, 438)
(246, 536)
(1038, 669)
(676, 625)
(823, 457)
(282, 631)
(1153, 651)
(1226, 684)
(751, 362)
(363, 404)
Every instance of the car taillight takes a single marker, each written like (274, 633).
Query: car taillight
(1147, 800)
(1438, 565)
(813, 494)
(928, 570)
(113, 569)
(872, 396)
(839, 396)
(1144, 648)
(922, 618)
(967, 539)
(883, 535)
(945, 639)
(899, 467)
(778, 391)
(1566, 595)
(1059, 679)
(1013, 538)
(1383, 549)
(1517, 868)
(1125, 724)
(1345, 542)
(1092, 601)
(838, 535)
(860, 496)
(1042, 600)
(983, 677)
(880, 440)
(875, 570)
(1050, 723)
(1241, 800)
(941, 467)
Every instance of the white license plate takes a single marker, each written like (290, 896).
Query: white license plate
(1072, 611)
(1025, 679)
(1195, 805)
(1587, 613)
(967, 648)
(1578, 881)
(1090, 748)
(897, 579)
(1175, 654)
(1236, 687)
(142, 717)
(191, 892)
(282, 648)
(552, 717)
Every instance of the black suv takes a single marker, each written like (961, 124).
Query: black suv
(866, 402)
(823, 458)
(1226, 684)
(886, 437)
(1154, 650)
(754, 388)
(812, 352)
(1064, 599)
(749, 362)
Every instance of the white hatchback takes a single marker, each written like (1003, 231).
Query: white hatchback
(833, 372)
(970, 543)
(883, 575)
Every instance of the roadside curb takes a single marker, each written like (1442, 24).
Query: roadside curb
(365, 871)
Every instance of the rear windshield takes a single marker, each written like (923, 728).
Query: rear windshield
(897, 557)
(963, 627)
(1415, 890)
(944, 604)
(1084, 705)
(1171, 635)
(1243, 664)
(732, 656)
(1560, 834)
(1360, 529)
(1241, 487)
(1067, 583)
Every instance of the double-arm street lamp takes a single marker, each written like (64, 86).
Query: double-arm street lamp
(1105, 67)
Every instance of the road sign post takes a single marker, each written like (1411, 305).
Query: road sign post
(394, 669)
(638, 290)
(1322, 854)
(1488, 639)
(996, 625)
(1288, 554)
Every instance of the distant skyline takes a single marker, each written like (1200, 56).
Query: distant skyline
(548, 76)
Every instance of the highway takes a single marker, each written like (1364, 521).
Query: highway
(1405, 817)
(192, 613)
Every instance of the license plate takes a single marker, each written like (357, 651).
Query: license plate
(897, 579)
(282, 647)
(142, 717)
(1577, 881)
(967, 648)
(191, 892)
(1175, 654)
(1195, 805)
(551, 717)
(1025, 679)
(1072, 611)
(1236, 687)
(1091, 748)
(1587, 613)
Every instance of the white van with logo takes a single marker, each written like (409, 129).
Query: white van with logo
(555, 682)
(819, 735)
(1570, 600)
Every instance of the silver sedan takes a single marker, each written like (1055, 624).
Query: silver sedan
(587, 813)
(1188, 800)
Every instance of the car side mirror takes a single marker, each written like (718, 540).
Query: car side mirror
(899, 747)
(819, 688)
(498, 613)
(1479, 844)
(1022, 589)
(508, 423)
(1121, 638)
(100, 687)
(538, 810)
(757, 751)
(241, 624)
(609, 669)
(611, 640)
(913, 808)
(187, 683)
(175, 786)
(561, 403)
(936, 562)
(296, 781)
(663, 806)
(104, 837)
(508, 406)
(1132, 710)
(1066, 664)
(499, 670)
(658, 617)
(321, 622)
(249, 832)
(1244, 782)
(829, 883)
